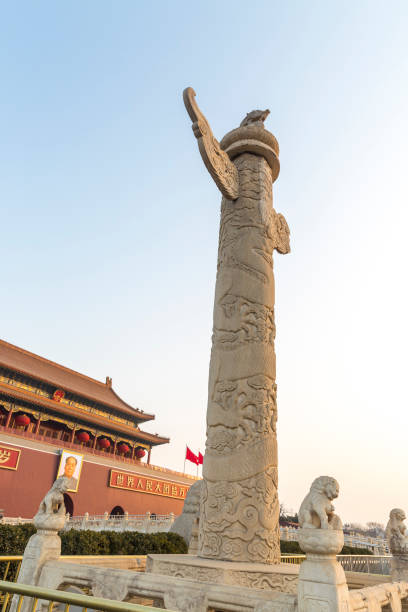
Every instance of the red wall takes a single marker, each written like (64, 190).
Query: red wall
(21, 491)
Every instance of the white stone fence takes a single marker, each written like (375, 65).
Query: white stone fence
(14, 520)
(368, 564)
(390, 596)
(378, 546)
(153, 523)
(144, 523)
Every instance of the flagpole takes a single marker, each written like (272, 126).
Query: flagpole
(185, 454)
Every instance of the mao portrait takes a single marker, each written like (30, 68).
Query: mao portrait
(70, 465)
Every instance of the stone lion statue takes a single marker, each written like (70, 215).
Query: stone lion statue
(51, 511)
(396, 532)
(316, 510)
(183, 525)
(53, 501)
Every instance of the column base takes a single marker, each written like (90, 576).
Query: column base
(281, 577)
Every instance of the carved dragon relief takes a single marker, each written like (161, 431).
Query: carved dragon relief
(243, 411)
(244, 322)
(215, 159)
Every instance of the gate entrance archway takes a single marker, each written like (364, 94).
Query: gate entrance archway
(69, 504)
(117, 511)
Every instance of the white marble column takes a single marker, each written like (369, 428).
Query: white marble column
(239, 518)
(240, 510)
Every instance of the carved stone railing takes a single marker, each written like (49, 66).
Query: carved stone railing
(389, 596)
(43, 599)
(16, 520)
(363, 564)
(166, 591)
(377, 545)
(124, 585)
(367, 564)
(144, 523)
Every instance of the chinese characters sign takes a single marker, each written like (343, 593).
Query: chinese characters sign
(9, 458)
(134, 482)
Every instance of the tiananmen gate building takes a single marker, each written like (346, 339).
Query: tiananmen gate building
(55, 421)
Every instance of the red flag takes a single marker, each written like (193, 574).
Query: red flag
(200, 458)
(191, 456)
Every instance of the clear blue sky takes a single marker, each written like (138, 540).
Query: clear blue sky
(110, 221)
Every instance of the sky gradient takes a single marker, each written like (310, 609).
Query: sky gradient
(110, 219)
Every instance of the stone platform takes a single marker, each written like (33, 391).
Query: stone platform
(281, 577)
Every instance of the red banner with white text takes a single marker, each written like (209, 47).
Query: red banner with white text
(9, 458)
(134, 482)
